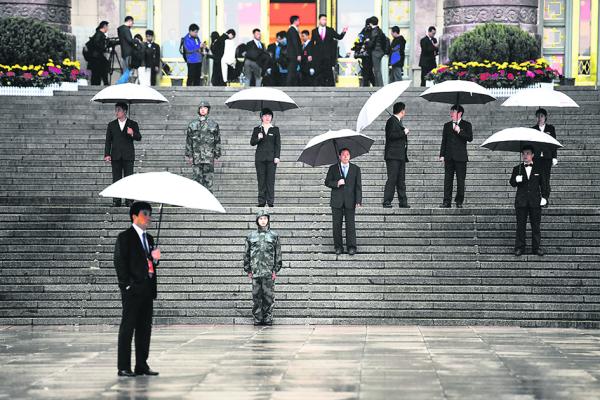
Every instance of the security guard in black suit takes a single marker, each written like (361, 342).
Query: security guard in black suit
(532, 194)
(396, 157)
(345, 182)
(135, 260)
(453, 153)
(267, 140)
(118, 147)
(547, 158)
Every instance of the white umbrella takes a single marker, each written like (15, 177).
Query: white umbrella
(129, 93)
(539, 97)
(255, 99)
(378, 102)
(458, 92)
(164, 188)
(323, 149)
(513, 140)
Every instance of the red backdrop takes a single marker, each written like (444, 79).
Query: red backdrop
(280, 14)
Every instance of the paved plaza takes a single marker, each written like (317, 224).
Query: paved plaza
(305, 362)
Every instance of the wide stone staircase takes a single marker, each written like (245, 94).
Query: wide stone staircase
(422, 265)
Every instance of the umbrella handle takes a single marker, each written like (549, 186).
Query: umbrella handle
(337, 152)
(159, 222)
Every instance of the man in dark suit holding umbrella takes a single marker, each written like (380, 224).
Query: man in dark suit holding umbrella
(344, 179)
(453, 153)
(396, 157)
(546, 158)
(532, 193)
(118, 147)
(135, 260)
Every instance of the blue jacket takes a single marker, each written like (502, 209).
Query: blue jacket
(192, 49)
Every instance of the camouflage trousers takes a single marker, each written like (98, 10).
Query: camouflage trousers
(263, 296)
(204, 174)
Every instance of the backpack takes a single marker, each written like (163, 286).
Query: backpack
(87, 50)
(182, 49)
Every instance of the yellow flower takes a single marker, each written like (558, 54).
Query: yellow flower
(50, 64)
(40, 73)
(24, 68)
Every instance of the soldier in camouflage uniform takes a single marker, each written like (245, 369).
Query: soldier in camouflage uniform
(203, 146)
(262, 262)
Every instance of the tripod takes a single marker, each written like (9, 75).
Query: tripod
(111, 60)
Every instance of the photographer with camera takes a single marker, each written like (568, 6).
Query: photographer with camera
(95, 49)
(362, 54)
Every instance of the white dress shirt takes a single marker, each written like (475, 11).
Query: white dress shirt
(528, 171)
(122, 123)
(140, 233)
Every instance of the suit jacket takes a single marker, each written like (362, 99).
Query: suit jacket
(454, 145)
(253, 52)
(529, 191)
(548, 153)
(125, 40)
(118, 144)
(305, 65)
(428, 53)
(269, 147)
(325, 51)
(294, 44)
(152, 55)
(131, 262)
(348, 195)
(395, 140)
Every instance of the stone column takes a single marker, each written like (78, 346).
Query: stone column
(463, 15)
(53, 12)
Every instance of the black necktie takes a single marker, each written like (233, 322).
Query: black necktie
(145, 244)
(528, 165)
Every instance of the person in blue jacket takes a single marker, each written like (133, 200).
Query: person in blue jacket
(192, 51)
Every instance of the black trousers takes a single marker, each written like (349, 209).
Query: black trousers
(292, 78)
(396, 172)
(121, 169)
(424, 72)
(265, 177)
(535, 219)
(136, 320)
(324, 74)
(546, 164)
(153, 75)
(99, 68)
(194, 72)
(338, 216)
(451, 168)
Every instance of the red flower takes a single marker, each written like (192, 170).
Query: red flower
(510, 76)
(27, 75)
(495, 76)
(462, 73)
(442, 69)
(530, 74)
(10, 73)
(502, 72)
(45, 73)
(484, 76)
(539, 71)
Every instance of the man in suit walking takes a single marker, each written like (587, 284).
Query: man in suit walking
(546, 158)
(344, 179)
(532, 194)
(294, 50)
(429, 49)
(126, 43)
(118, 146)
(453, 153)
(325, 51)
(252, 70)
(135, 261)
(396, 157)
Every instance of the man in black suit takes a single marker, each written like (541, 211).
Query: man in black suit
(546, 158)
(396, 157)
(118, 147)
(267, 140)
(277, 72)
(254, 50)
(344, 179)
(294, 50)
(429, 49)
(127, 45)
(453, 153)
(307, 70)
(532, 194)
(135, 260)
(152, 56)
(325, 51)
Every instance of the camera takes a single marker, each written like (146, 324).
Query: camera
(112, 42)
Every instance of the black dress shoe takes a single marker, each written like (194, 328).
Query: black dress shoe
(387, 205)
(538, 252)
(268, 322)
(116, 203)
(459, 205)
(404, 206)
(258, 323)
(126, 372)
(271, 205)
(260, 205)
(338, 251)
(351, 251)
(445, 205)
(518, 252)
(148, 372)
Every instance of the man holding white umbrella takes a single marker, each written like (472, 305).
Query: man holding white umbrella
(547, 158)
(532, 194)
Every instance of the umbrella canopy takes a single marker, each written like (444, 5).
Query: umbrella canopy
(165, 188)
(458, 92)
(378, 102)
(513, 139)
(255, 99)
(129, 93)
(323, 149)
(539, 97)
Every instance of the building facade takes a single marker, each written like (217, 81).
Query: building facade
(567, 29)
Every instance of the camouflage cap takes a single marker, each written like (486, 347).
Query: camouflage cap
(263, 213)
(204, 103)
